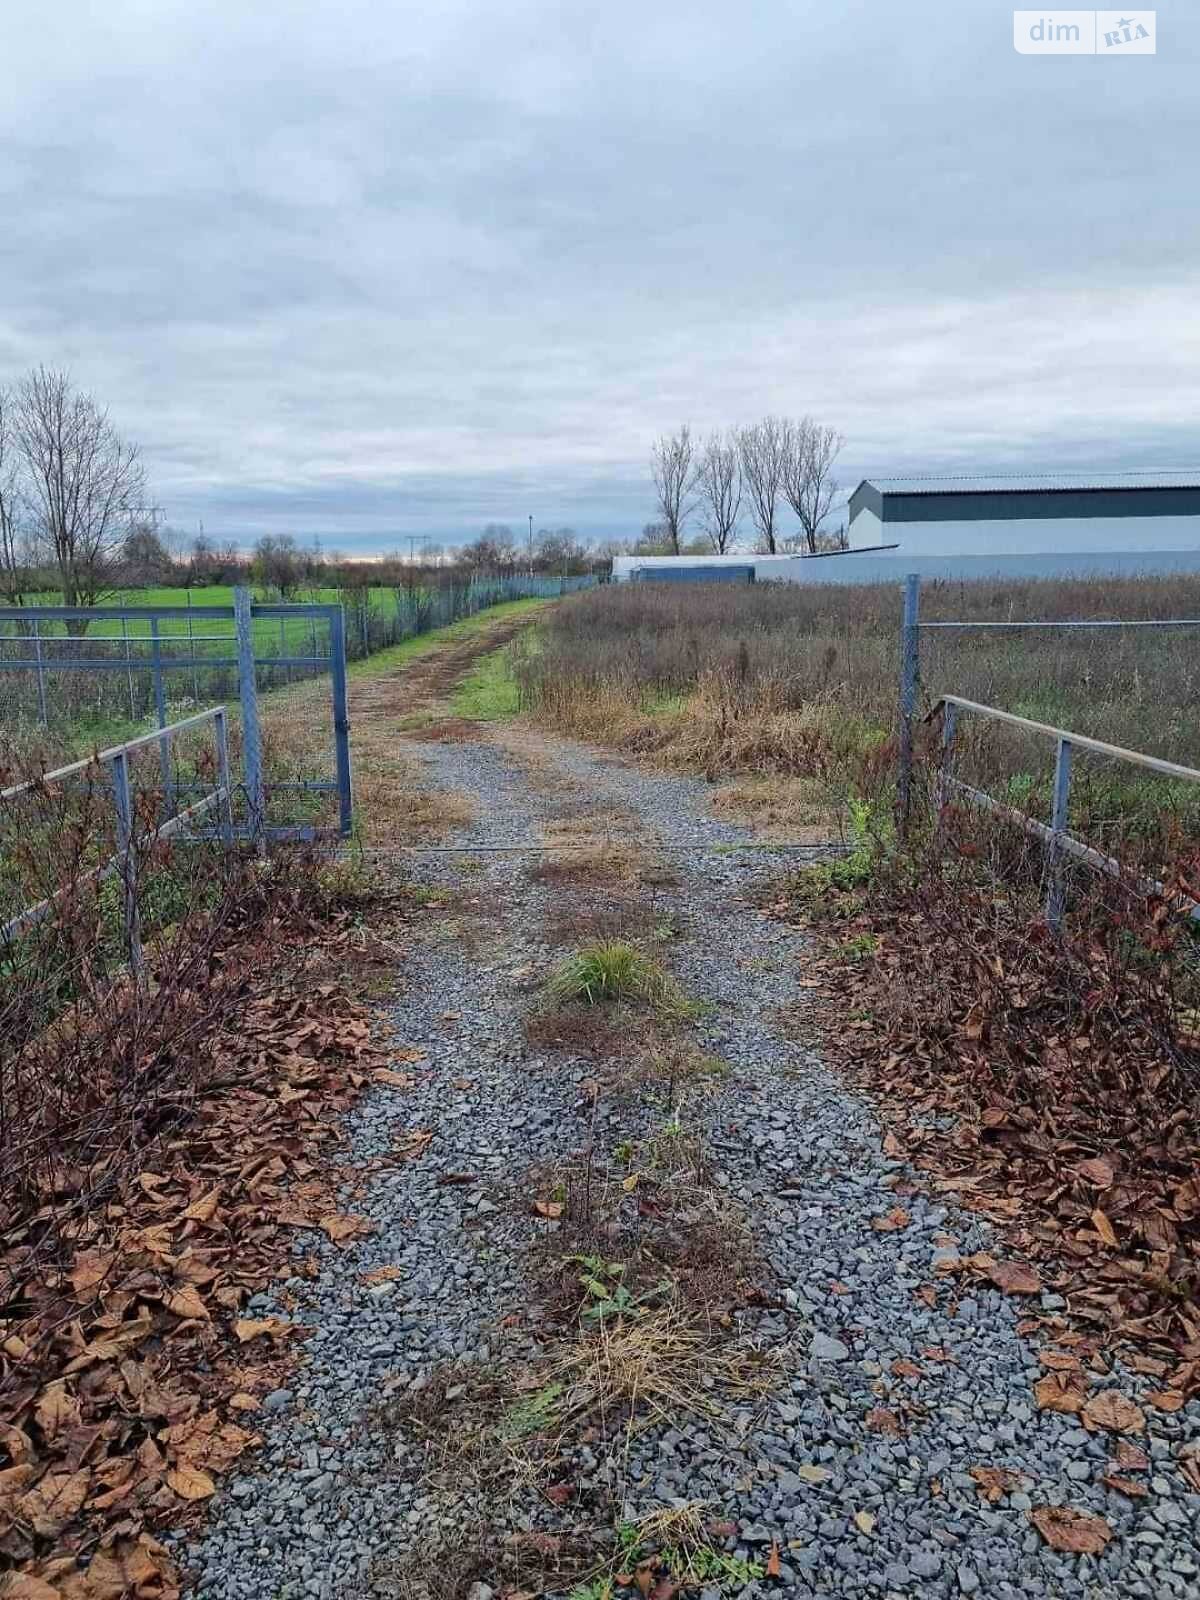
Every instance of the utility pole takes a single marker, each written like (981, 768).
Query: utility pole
(530, 551)
(414, 539)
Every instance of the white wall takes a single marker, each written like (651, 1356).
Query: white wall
(1030, 536)
(894, 566)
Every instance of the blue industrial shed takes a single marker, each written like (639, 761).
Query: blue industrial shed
(685, 573)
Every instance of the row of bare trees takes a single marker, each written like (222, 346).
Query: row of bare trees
(72, 490)
(761, 469)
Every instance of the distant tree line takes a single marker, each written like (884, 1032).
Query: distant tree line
(760, 471)
(76, 517)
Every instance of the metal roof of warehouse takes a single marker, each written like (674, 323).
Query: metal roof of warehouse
(1011, 483)
(1034, 495)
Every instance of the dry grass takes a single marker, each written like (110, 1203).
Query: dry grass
(582, 1031)
(603, 866)
(665, 1071)
(393, 801)
(801, 681)
(618, 917)
(398, 807)
(595, 827)
(656, 1368)
(639, 1226)
(798, 809)
(429, 729)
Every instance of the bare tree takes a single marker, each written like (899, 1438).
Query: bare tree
(85, 483)
(277, 562)
(719, 480)
(13, 563)
(145, 559)
(762, 450)
(672, 464)
(808, 479)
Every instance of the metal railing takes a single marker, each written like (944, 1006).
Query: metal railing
(1059, 842)
(239, 650)
(911, 628)
(123, 863)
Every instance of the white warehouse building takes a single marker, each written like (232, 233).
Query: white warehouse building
(960, 528)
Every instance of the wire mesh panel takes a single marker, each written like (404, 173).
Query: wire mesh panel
(73, 681)
(1075, 726)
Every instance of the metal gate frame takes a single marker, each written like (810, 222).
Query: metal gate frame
(244, 612)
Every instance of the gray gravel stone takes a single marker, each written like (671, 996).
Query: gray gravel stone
(826, 1349)
(338, 1493)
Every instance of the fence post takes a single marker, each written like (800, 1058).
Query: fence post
(243, 618)
(127, 861)
(128, 670)
(41, 673)
(192, 649)
(949, 725)
(909, 669)
(160, 712)
(1056, 899)
(225, 804)
(341, 719)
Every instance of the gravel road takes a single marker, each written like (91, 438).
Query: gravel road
(337, 1505)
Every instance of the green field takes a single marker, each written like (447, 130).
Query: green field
(206, 631)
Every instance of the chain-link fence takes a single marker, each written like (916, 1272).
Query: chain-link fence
(75, 679)
(377, 618)
(72, 680)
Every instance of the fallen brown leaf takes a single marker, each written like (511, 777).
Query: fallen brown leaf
(1071, 1532)
(880, 1420)
(1129, 1456)
(994, 1483)
(204, 1209)
(27, 1586)
(1165, 1399)
(56, 1410)
(1104, 1228)
(248, 1328)
(1129, 1487)
(1098, 1172)
(186, 1302)
(1060, 1361)
(343, 1229)
(1064, 1392)
(189, 1483)
(53, 1501)
(1111, 1410)
(1013, 1277)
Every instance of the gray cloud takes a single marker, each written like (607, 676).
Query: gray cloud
(363, 272)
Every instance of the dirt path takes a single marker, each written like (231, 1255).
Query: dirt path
(386, 702)
(426, 685)
(644, 1296)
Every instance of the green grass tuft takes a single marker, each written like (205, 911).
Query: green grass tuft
(611, 972)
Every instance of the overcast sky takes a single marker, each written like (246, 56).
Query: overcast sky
(366, 270)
